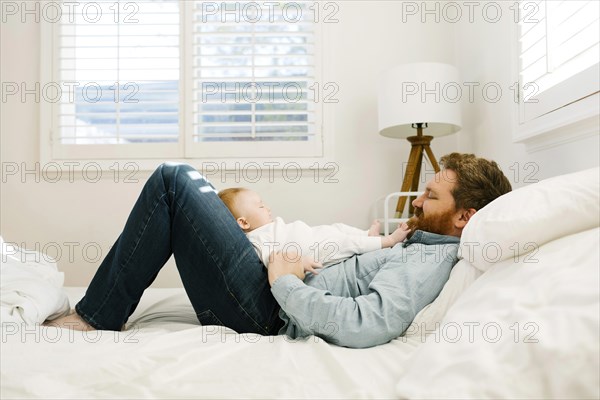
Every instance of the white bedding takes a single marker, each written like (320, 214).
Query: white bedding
(527, 329)
(165, 353)
(31, 286)
(547, 277)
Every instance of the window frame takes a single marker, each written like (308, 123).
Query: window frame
(558, 120)
(148, 156)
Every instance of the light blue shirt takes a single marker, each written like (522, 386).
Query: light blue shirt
(368, 299)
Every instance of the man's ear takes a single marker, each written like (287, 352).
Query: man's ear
(243, 223)
(464, 216)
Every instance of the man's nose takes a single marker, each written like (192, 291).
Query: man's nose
(418, 202)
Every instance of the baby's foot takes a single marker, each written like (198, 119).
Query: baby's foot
(70, 321)
(375, 228)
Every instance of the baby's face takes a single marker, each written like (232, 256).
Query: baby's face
(252, 208)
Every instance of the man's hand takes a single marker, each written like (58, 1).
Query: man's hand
(289, 264)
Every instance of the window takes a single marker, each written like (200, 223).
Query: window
(185, 79)
(558, 63)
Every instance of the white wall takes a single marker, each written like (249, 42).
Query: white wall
(369, 38)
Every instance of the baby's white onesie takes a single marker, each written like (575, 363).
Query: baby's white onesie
(327, 244)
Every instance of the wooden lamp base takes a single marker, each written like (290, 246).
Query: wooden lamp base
(419, 148)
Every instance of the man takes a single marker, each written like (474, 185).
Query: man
(361, 302)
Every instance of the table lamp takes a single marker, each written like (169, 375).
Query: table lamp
(413, 98)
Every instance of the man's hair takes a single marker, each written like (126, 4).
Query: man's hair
(228, 197)
(478, 181)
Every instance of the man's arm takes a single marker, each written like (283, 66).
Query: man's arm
(401, 288)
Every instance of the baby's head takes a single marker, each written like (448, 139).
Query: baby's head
(247, 208)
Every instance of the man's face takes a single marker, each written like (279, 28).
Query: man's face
(435, 209)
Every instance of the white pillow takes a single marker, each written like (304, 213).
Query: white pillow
(526, 218)
(522, 330)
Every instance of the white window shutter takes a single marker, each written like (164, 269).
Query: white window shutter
(559, 54)
(121, 64)
(255, 74)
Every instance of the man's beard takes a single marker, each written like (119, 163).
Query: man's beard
(434, 223)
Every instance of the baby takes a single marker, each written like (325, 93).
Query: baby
(325, 244)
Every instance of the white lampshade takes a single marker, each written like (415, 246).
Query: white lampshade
(419, 93)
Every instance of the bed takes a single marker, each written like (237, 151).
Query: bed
(518, 318)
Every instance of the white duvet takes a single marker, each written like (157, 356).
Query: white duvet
(166, 354)
(31, 287)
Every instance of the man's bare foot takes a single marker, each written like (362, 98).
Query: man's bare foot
(70, 321)
(375, 228)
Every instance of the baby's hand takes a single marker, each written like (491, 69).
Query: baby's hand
(287, 264)
(401, 233)
(311, 266)
(396, 237)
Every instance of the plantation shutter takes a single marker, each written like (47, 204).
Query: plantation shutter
(120, 62)
(254, 78)
(559, 54)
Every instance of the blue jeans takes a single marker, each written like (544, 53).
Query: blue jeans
(178, 212)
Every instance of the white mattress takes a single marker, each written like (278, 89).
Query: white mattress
(165, 353)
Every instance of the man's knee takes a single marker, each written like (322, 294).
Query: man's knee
(171, 169)
(174, 171)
